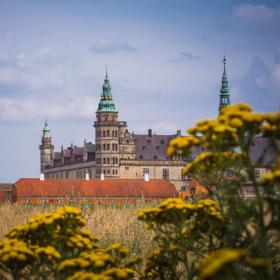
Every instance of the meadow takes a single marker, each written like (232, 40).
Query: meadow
(111, 223)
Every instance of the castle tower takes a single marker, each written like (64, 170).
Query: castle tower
(107, 134)
(46, 148)
(224, 92)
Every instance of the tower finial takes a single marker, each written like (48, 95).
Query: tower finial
(224, 92)
(106, 76)
(224, 61)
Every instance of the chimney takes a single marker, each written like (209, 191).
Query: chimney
(178, 132)
(146, 177)
(102, 177)
(42, 177)
(150, 132)
(87, 176)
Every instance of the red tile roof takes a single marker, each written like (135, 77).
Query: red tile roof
(93, 189)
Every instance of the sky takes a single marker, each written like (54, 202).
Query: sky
(164, 60)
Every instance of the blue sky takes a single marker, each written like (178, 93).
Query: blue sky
(164, 61)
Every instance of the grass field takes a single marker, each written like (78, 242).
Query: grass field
(111, 223)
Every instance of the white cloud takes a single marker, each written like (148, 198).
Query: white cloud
(19, 110)
(256, 13)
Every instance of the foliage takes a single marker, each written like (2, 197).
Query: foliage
(54, 245)
(228, 236)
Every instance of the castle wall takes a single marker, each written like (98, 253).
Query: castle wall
(75, 171)
(161, 169)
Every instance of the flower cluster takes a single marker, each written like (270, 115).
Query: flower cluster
(110, 274)
(175, 207)
(273, 177)
(217, 260)
(48, 253)
(15, 251)
(97, 260)
(55, 243)
(80, 242)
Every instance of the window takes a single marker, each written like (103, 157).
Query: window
(146, 171)
(162, 141)
(157, 147)
(184, 177)
(104, 147)
(149, 141)
(165, 173)
(108, 133)
(127, 141)
(257, 173)
(141, 157)
(108, 147)
(230, 173)
(116, 171)
(104, 133)
(127, 168)
(155, 157)
(143, 147)
(183, 188)
(108, 160)
(104, 160)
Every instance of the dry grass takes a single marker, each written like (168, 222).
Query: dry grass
(110, 223)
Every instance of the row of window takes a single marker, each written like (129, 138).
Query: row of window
(81, 174)
(106, 147)
(107, 171)
(165, 172)
(113, 160)
(106, 133)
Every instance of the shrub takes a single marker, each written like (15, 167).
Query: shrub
(54, 245)
(227, 236)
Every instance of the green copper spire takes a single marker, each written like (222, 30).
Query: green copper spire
(224, 92)
(46, 127)
(106, 103)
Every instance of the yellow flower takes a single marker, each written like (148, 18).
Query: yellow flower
(215, 261)
(236, 122)
(99, 263)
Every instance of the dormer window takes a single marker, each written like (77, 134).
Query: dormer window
(162, 141)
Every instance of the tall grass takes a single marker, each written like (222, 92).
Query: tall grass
(111, 223)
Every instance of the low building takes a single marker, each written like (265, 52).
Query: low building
(95, 190)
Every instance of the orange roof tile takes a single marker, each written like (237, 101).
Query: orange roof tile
(109, 188)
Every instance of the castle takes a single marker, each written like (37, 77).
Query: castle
(119, 154)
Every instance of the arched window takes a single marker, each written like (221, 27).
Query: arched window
(108, 133)
(104, 147)
(108, 147)
(104, 160)
(104, 133)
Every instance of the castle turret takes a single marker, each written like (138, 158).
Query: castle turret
(107, 134)
(224, 92)
(46, 148)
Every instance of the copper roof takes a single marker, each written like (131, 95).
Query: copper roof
(32, 188)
